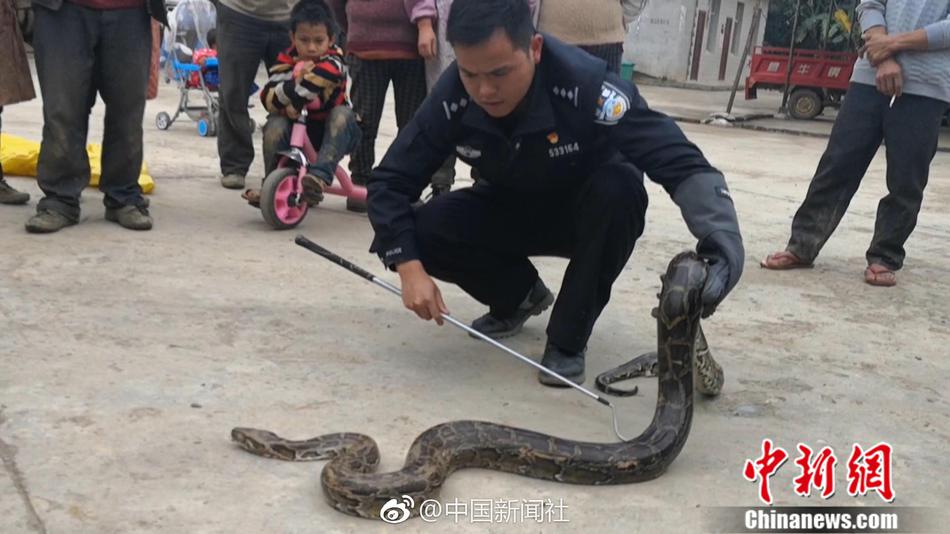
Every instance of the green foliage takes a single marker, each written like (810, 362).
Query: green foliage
(818, 26)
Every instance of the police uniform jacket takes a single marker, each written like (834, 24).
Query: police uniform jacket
(576, 117)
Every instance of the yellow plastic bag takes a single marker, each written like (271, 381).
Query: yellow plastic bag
(19, 157)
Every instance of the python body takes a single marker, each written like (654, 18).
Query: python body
(352, 486)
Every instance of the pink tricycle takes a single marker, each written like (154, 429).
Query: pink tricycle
(283, 203)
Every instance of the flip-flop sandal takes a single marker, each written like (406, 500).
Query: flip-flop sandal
(880, 276)
(252, 196)
(784, 260)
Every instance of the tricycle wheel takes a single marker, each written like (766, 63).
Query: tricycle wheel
(805, 104)
(282, 203)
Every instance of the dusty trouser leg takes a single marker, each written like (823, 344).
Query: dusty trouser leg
(341, 136)
(276, 139)
(65, 44)
(911, 131)
(243, 41)
(122, 71)
(855, 138)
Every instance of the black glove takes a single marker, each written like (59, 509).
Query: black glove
(707, 208)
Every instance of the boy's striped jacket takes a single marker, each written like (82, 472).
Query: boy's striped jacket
(326, 81)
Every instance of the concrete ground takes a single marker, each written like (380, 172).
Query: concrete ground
(126, 358)
(692, 105)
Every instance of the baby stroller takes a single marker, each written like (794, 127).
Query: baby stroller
(189, 24)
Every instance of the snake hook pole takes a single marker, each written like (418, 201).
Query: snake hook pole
(362, 273)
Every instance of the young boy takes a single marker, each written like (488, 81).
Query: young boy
(312, 75)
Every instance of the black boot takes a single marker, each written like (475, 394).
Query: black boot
(570, 365)
(539, 299)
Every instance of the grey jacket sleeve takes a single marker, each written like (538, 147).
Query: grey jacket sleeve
(938, 34)
(871, 14)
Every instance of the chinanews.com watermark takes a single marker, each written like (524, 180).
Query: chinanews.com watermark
(868, 472)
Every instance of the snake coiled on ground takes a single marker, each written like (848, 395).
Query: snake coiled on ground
(352, 486)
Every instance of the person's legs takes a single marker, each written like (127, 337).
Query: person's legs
(911, 130)
(409, 88)
(121, 76)
(277, 41)
(608, 218)
(242, 42)
(276, 139)
(370, 83)
(64, 46)
(855, 138)
(9, 195)
(340, 137)
(480, 238)
(611, 53)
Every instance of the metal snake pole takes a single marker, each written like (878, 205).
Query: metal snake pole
(355, 269)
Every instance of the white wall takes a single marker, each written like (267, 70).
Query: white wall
(655, 40)
(711, 59)
(660, 42)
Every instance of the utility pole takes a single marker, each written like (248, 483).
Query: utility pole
(791, 54)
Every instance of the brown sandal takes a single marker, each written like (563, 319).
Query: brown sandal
(252, 196)
(783, 260)
(879, 275)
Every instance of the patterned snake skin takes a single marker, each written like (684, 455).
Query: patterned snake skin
(708, 376)
(352, 486)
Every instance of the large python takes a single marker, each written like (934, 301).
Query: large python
(352, 486)
(708, 376)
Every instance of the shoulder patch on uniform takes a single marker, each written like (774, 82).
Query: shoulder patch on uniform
(569, 94)
(612, 105)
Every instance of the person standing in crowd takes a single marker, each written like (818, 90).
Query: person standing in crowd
(85, 47)
(248, 32)
(899, 93)
(15, 83)
(382, 46)
(597, 26)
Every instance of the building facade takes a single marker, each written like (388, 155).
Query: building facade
(693, 41)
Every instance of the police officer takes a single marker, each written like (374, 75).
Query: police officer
(559, 143)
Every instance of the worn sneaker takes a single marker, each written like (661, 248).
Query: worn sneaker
(9, 195)
(232, 181)
(48, 221)
(570, 365)
(313, 188)
(539, 299)
(131, 217)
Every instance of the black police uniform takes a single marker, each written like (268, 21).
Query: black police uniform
(560, 177)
